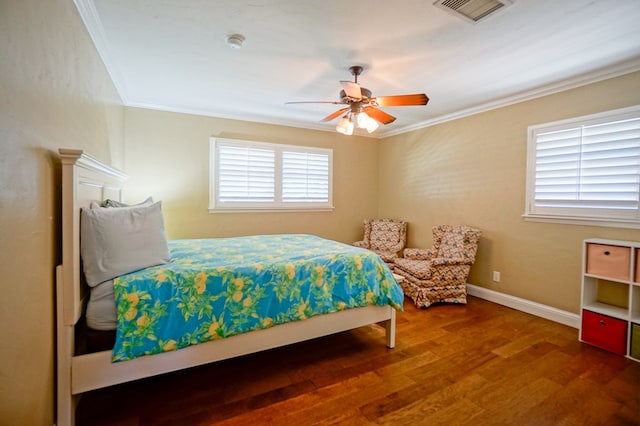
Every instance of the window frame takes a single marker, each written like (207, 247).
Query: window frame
(217, 206)
(579, 216)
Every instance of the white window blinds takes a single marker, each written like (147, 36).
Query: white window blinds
(247, 175)
(305, 177)
(587, 167)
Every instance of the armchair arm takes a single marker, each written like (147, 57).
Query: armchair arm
(361, 244)
(417, 253)
(450, 261)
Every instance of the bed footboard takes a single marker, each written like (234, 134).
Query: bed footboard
(95, 371)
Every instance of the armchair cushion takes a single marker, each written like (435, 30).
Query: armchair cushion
(386, 237)
(420, 269)
(451, 245)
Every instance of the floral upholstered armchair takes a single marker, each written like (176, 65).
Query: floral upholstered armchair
(439, 274)
(386, 237)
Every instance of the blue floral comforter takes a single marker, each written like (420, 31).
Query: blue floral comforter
(216, 288)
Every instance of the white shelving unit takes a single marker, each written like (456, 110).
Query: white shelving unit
(610, 300)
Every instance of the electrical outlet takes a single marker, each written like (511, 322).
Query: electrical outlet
(496, 276)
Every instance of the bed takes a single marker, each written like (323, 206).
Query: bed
(85, 181)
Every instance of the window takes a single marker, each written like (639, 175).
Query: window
(586, 170)
(248, 176)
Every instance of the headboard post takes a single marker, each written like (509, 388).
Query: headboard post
(84, 179)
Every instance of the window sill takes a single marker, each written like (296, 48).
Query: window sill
(569, 220)
(272, 210)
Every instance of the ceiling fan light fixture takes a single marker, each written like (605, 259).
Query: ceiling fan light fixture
(371, 125)
(345, 125)
(362, 118)
(366, 122)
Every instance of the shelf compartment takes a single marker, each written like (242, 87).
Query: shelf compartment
(635, 304)
(634, 351)
(613, 293)
(604, 332)
(608, 261)
(604, 293)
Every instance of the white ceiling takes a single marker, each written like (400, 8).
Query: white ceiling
(172, 54)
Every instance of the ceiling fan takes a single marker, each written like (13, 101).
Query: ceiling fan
(362, 108)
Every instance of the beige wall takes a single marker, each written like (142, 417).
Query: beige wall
(473, 170)
(54, 92)
(167, 157)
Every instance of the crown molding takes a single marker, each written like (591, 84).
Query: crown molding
(90, 17)
(602, 74)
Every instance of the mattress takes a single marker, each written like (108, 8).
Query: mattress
(101, 309)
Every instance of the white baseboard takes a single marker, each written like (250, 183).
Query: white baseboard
(533, 308)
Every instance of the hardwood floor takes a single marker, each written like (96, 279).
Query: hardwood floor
(479, 364)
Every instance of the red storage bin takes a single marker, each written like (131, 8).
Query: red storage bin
(604, 332)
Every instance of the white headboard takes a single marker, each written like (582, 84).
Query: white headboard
(84, 179)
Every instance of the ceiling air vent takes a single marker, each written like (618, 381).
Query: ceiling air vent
(473, 10)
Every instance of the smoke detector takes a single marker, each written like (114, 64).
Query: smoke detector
(235, 41)
(473, 10)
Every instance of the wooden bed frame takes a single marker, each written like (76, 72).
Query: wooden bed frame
(84, 179)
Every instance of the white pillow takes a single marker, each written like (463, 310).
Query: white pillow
(115, 242)
(115, 203)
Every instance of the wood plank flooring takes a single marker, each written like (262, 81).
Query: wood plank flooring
(479, 364)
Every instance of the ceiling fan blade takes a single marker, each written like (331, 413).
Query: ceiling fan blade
(402, 100)
(379, 115)
(352, 89)
(335, 114)
(315, 102)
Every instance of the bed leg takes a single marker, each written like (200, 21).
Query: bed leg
(390, 328)
(66, 402)
(66, 409)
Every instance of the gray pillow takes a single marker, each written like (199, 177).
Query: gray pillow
(115, 242)
(114, 203)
